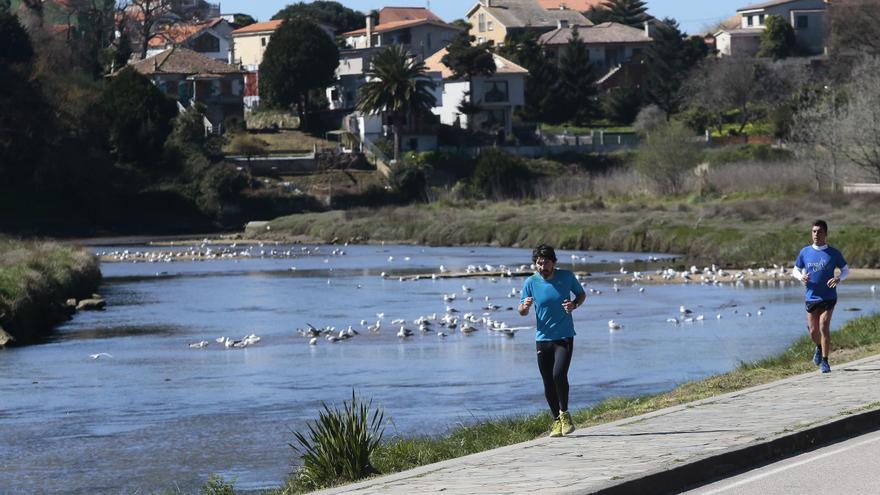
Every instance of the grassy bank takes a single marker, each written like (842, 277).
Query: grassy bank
(856, 339)
(734, 229)
(36, 278)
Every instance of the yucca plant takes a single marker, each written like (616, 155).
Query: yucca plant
(340, 443)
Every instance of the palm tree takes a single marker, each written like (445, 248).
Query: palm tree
(397, 85)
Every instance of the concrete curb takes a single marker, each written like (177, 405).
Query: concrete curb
(711, 468)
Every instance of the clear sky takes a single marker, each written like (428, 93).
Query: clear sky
(694, 16)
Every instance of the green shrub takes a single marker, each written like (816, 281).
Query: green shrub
(340, 444)
(499, 175)
(409, 179)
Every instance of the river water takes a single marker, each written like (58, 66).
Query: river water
(156, 414)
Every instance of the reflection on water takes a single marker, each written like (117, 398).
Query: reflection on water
(158, 414)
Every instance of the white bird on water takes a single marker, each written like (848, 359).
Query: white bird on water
(199, 345)
(313, 341)
(99, 355)
(613, 325)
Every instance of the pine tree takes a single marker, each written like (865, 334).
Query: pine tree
(577, 81)
(669, 59)
(777, 40)
(629, 12)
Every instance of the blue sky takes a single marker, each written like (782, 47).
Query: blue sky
(693, 15)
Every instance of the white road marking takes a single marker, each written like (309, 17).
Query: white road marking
(790, 466)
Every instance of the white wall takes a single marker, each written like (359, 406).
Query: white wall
(451, 96)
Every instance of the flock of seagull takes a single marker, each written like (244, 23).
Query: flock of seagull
(441, 326)
(452, 320)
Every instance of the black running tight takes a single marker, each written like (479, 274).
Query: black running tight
(554, 357)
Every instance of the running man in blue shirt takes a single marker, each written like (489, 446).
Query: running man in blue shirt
(815, 267)
(550, 290)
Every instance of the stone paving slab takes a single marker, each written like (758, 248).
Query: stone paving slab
(596, 458)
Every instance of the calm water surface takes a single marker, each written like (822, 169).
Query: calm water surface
(158, 414)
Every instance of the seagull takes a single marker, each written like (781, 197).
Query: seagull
(467, 329)
(641, 289)
(100, 354)
(672, 320)
(613, 325)
(684, 310)
(313, 341)
(380, 315)
(199, 345)
(404, 332)
(873, 289)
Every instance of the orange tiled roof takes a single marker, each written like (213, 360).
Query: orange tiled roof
(391, 26)
(395, 14)
(259, 27)
(180, 32)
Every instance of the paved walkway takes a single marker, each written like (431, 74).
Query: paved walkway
(616, 455)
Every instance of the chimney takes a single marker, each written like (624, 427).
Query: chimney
(561, 24)
(649, 28)
(369, 31)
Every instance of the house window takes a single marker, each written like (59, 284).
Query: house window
(481, 19)
(226, 87)
(761, 20)
(751, 20)
(636, 52)
(413, 144)
(802, 22)
(496, 92)
(263, 41)
(428, 40)
(206, 43)
(490, 26)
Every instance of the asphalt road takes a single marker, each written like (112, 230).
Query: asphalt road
(851, 467)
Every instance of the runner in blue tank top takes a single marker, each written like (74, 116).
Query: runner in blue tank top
(815, 267)
(550, 290)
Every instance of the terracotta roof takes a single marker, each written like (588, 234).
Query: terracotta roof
(528, 13)
(578, 5)
(179, 32)
(259, 27)
(393, 26)
(764, 5)
(182, 61)
(394, 14)
(607, 32)
(502, 65)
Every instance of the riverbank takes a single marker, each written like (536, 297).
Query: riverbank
(36, 281)
(855, 340)
(742, 231)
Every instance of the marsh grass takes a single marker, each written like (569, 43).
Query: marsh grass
(856, 339)
(744, 229)
(35, 278)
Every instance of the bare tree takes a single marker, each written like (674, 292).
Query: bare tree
(144, 17)
(855, 26)
(843, 123)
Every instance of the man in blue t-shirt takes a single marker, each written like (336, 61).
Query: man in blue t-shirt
(550, 290)
(815, 267)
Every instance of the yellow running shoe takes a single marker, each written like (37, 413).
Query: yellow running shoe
(556, 429)
(565, 424)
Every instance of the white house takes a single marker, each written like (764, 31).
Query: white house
(417, 29)
(807, 17)
(497, 95)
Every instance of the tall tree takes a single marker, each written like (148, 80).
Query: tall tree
(629, 12)
(855, 27)
(300, 58)
(777, 40)
(543, 77)
(22, 120)
(577, 81)
(397, 85)
(342, 18)
(669, 60)
(141, 117)
(467, 61)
